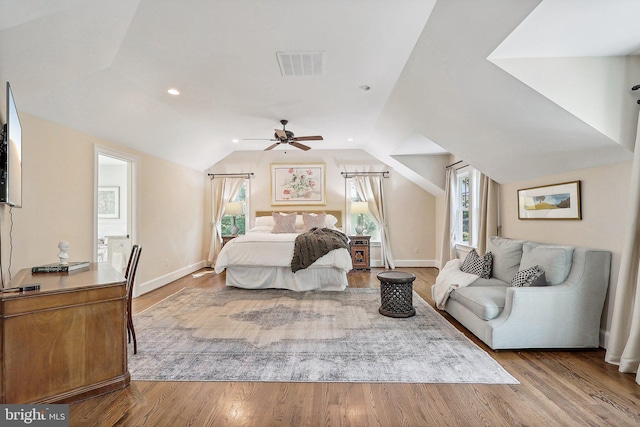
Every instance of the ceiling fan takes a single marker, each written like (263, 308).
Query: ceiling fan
(283, 136)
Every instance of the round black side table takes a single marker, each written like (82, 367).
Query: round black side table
(396, 293)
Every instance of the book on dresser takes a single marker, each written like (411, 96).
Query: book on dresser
(60, 268)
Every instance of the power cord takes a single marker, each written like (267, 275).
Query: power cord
(1, 269)
(10, 242)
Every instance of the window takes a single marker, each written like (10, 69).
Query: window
(240, 218)
(358, 217)
(467, 208)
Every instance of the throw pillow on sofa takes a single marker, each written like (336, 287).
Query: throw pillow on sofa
(506, 257)
(478, 265)
(555, 260)
(532, 276)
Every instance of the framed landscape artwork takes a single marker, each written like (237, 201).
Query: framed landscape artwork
(558, 201)
(109, 202)
(298, 184)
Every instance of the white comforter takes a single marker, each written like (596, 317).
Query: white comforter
(263, 248)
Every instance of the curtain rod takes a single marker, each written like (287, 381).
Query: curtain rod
(453, 164)
(247, 174)
(384, 174)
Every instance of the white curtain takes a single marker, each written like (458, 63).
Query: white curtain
(448, 247)
(623, 348)
(370, 189)
(483, 208)
(487, 217)
(223, 190)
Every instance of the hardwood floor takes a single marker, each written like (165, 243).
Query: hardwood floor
(557, 388)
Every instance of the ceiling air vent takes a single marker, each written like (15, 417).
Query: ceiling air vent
(301, 63)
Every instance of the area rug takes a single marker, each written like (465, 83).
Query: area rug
(275, 335)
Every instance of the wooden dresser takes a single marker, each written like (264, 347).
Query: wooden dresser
(66, 341)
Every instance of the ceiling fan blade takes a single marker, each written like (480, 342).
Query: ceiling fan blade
(308, 138)
(281, 134)
(260, 139)
(300, 146)
(271, 147)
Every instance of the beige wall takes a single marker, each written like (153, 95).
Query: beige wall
(410, 208)
(604, 192)
(58, 204)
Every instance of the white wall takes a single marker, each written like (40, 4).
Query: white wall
(604, 197)
(58, 204)
(410, 208)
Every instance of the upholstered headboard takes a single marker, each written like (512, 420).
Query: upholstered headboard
(337, 214)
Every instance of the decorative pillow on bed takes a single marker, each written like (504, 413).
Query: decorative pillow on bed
(284, 223)
(533, 276)
(299, 223)
(478, 265)
(314, 220)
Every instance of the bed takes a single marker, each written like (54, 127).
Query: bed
(262, 258)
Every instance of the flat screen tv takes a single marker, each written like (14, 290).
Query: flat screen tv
(11, 156)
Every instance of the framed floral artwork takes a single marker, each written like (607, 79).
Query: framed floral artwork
(298, 184)
(109, 202)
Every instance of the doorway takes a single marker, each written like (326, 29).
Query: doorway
(115, 207)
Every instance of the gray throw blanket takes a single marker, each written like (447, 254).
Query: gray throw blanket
(314, 244)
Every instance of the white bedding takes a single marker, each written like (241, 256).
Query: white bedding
(262, 259)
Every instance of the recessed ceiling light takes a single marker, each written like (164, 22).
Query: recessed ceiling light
(235, 140)
(174, 92)
(365, 88)
(350, 139)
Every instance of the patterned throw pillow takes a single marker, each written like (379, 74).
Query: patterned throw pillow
(532, 276)
(314, 220)
(284, 223)
(478, 265)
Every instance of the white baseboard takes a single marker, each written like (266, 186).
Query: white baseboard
(158, 282)
(407, 263)
(604, 338)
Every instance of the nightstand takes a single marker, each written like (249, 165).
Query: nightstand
(225, 239)
(360, 257)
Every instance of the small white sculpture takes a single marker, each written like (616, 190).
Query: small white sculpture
(64, 247)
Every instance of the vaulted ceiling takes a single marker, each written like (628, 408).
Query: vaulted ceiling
(517, 88)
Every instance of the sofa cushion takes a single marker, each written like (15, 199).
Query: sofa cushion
(492, 281)
(554, 260)
(486, 302)
(532, 276)
(506, 257)
(478, 265)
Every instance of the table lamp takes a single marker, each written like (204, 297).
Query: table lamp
(234, 209)
(359, 208)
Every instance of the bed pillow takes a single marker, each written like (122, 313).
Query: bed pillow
(532, 276)
(284, 223)
(314, 220)
(331, 221)
(265, 221)
(478, 265)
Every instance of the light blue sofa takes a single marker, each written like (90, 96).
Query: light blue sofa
(565, 314)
